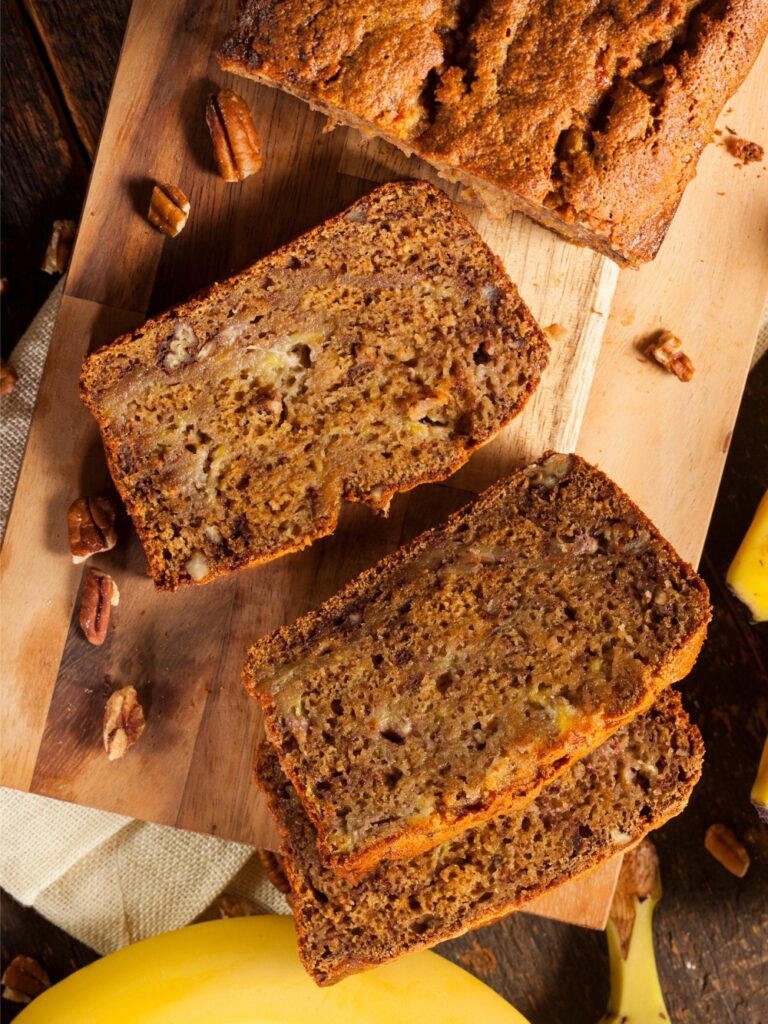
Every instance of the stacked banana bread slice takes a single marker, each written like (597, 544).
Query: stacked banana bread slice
(470, 723)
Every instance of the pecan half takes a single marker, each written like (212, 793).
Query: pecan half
(23, 979)
(168, 209)
(59, 251)
(8, 378)
(666, 350)
(91, 523)
(178, 348)
(236, 144)
(726, 849)
(100, 595)
(123, 722)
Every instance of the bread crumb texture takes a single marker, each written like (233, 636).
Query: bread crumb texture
(588, 116)
(602, 805)
(373, 354)
(460, 675)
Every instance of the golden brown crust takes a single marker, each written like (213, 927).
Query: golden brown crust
(600, 150)
(415, 837)
(504, 857)
(486, 392)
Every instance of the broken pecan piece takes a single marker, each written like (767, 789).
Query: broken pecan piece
(23, 979)
(91, 523)
(236, 144)
(100, 595)
(59, 251)
(168, 209)
(123, 722)
(667, 351)
(744, 150)
(726, 849)
(236, 906)
(8, 378)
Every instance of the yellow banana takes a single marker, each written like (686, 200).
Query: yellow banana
(759, 794)
(636, 996)
(748, 573)
(247, 971)
(748, 579)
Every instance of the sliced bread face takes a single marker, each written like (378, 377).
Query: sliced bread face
(601, 806)
(373, 354)
(459, 676)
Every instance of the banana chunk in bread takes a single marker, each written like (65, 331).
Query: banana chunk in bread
(460, 675)
(602, 805)
(588, 117)
(371, 355)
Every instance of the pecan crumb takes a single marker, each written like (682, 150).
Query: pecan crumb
(23, 979)
(8, 378)
(744, 150)
(168, 209)
(91, 524)
(726, 849)
(236, 906)
(236, 144)
(59, 251)
(666, 349)
(100, 595)
(123, 722)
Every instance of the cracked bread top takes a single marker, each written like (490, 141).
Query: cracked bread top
(454, 680)
(374, 353)
(588, 115)
(601, 806)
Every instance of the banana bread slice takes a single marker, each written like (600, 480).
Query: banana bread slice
(457, 677)
(371, 355)
(602, 805)
(588, 117)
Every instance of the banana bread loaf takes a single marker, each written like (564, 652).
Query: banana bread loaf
(457, 677)
(602, 805)
(588, 116)
(374, 353)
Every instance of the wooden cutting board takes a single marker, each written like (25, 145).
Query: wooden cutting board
(184, 651)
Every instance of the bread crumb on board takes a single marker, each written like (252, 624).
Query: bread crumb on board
(743, 150)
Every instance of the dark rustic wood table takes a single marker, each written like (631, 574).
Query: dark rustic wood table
(58, 61)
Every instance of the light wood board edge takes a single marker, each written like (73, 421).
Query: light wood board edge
(666, 441)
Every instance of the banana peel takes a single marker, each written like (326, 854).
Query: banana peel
(636, 996)
(247, 971)
(759, 794)
(748, 573)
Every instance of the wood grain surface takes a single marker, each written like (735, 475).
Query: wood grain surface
(710, 926)
(193, 765)
(134, 272)
(663, 440)
(44, 171)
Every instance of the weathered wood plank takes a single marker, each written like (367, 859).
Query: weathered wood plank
(43, 171)
(82, 42)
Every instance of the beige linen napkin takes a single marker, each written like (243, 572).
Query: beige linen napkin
(106, 879)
